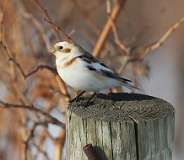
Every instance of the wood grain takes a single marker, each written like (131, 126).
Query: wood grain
(121, 127)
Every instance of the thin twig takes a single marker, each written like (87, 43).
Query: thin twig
(40, 141)
(86, 17)
(138, 54)
(107, 27)
(58, 30)
(37, 25)
(2, 28)
(49, 20)
(62, 85)
(41, 151)
(40, 67)
(162, 40)
(32, 108)
(59, 144)
(36, 124)
(31, 135)
(1, 25)
(117, 40)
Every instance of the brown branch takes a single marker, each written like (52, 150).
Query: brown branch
(125, 64)
(37, 25)
(89, 151)
(49, 20)
(8, 53)
(41, 151)
(138, 54)
(40, 141)
(61, 84)
(107, 27)
(35, 70)
(58, 29)
(117, 40)
(162, 40)
(31, 135)
(2, 17)
(40, 67)
(1, 25)
(59, 144)
(86, 17)
(32, 108)
(36, 124)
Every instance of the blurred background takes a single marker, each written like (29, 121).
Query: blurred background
(121, 33)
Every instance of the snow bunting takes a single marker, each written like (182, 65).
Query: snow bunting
(80, 70)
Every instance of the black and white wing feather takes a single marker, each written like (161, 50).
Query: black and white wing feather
(93, 64)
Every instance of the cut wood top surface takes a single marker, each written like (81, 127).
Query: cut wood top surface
(121, 106)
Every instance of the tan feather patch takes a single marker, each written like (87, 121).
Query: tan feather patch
(70, 62)
(66, 50)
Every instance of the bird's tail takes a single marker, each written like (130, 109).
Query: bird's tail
(131, 86)
(128, 84)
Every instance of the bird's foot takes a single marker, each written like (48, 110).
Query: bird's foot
(77, 97)
(90, 99)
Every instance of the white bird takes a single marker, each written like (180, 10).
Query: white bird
(83, 72)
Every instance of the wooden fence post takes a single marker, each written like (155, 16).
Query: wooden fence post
(121, 126)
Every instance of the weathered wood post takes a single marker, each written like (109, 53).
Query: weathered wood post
(121, 127)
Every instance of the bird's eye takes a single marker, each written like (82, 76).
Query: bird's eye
(60, 47)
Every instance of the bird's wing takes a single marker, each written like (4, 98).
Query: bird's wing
(87, 57)
(114, 75)
(93, 64)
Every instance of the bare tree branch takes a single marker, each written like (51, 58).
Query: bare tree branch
(162, 40)
(61, 83)
(50, 21)
(107, 27)
(31, 136)
(38, 68)
(138, 54)
(41, 151)
(117, 40)
(32, 108)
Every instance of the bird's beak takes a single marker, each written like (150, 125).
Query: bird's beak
(52, 50)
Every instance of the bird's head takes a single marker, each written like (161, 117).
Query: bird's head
(64, 49)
